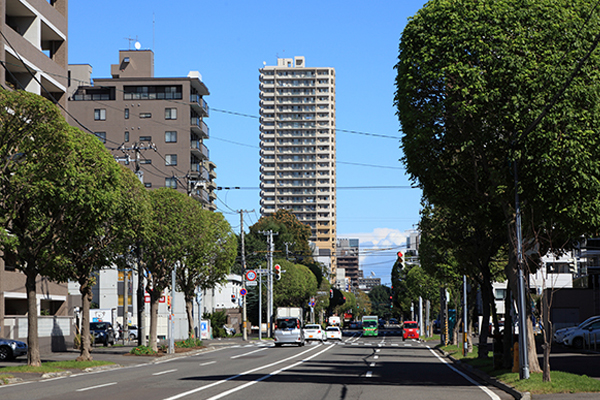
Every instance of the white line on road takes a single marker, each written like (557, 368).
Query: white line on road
(487, 391)
(245, 354)
(207, 363)
(244, 386)
(372, 365)
(375, 357)
(369, 374)
(189, 392)
(96, 387)
(165, 372)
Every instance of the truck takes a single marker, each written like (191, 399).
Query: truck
(288, 326)
(103, 315)
(334, 320)
(370, 325)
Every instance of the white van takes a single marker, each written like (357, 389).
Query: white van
(288, 330)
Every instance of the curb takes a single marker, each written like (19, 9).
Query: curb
(485, 377)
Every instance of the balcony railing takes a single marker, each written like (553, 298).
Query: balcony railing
(199, 104)
(199, 127)
(199, 149)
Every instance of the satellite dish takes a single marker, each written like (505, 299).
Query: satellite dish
(137, 45)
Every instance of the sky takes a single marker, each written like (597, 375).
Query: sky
(228, 42)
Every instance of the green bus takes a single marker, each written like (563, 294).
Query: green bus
(370, 325)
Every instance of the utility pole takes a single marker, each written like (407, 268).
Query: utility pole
(286, 249)
(271, 246)
(244, 315)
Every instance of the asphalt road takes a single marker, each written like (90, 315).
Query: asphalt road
(354, 368)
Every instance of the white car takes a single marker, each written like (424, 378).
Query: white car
(586, 335)
(314, 332)
(333, 332)
(561, 334)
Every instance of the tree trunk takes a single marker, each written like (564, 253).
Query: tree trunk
(487, 299)
(153, 336)
(189, 305)
(33, 355)
(86, 345)
(547, 336)
(507, 339)
(513, 281)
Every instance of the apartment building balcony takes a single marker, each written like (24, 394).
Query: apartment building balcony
(198, 171)
(199, 127)
(201, 194)
(211, 167)
(199, 149)
(199, 105)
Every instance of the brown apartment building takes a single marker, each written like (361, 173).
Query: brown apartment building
(155, 125)
(33, 54)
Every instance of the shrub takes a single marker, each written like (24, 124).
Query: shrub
(143, 351)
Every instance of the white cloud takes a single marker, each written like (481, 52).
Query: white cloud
(378, 251)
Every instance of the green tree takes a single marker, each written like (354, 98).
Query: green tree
(207, 252)
(473, 79)
(51, 185)
(296, 286)
(380, 300)
(161, 247)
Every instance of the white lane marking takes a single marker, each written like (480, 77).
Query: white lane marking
(245, 354)
(372, 365)
(487, 391)
(96, 387)
(207, 363)
(369, 374)
(375, 357)
(395, 344)
(189, 392)
(244, 386)
(377, 351)
(165, 372)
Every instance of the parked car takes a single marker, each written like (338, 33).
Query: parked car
(560, 334)
(333, 332)
(410, 330)
(132, 331)
(10, 349)
(588, 334)
(287, 330)
(353, 325)
(314, 332)
(103, 333)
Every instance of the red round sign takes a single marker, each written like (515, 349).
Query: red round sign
(251, 275)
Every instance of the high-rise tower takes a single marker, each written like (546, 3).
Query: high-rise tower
(297, 141)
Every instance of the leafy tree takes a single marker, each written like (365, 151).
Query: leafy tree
(380, 300)
(51, 185)
(208, 249)
(363, 305)
(161, 247)
(296, 286)
(289, 230)
(487, 88)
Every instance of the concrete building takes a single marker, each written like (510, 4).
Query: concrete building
(33, 47)
(366, 284)
(33, 52)
(155, 125)
(347, 258)
(298, 149)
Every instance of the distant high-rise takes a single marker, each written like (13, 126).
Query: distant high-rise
(297, 141)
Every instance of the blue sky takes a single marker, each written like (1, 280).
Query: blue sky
(227, 42)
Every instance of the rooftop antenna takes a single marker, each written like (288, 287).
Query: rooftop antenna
(130, 39)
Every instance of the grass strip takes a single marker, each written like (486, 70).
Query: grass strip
(55, 366)
(560, 382)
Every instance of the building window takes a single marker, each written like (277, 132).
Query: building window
(126, 137)
(100, 114)
(171, 159)
(145, 138)
(171, 183)
(101, 136)
(171, 137)
(127, 113)
(170, 113)
(145, 115)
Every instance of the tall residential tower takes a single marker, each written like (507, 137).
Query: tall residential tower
(297, 141)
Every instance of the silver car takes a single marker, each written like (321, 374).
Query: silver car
(588, 334)
(10, 349)
(288, 331)
(561, 334)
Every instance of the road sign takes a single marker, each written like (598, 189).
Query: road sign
(251, 275)
(243, 292)
(262, 271)
(251, 283)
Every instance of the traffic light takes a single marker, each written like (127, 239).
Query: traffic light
(233, 299)
(391, 301)
(278, 271)
(331, 293)
(400, 260)
(343, 300)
